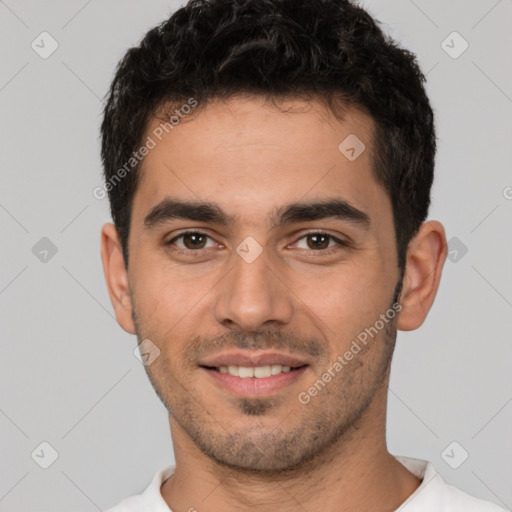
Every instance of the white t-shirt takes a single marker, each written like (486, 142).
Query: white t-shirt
(433, 495)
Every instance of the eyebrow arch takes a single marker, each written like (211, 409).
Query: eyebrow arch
(337, 208)
(169, 209)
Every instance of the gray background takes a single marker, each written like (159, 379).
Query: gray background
(68, 375)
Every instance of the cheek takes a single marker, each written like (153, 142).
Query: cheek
(168, 299)
(346, 300)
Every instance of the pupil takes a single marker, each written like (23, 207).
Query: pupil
(316, 238)
(193, 240)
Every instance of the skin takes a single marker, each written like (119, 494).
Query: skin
(251, 158)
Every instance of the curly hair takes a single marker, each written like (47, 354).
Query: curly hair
(330, 50)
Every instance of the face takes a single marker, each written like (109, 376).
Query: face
(284, 256)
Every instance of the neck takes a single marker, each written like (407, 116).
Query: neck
(356, 473)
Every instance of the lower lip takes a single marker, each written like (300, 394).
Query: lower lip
(253, 387)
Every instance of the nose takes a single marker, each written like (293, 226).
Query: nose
(252, 296)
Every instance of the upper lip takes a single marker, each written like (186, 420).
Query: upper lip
(252, 359)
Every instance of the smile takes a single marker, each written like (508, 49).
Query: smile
(255, 381)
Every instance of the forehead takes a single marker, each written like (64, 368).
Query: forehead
(248, 155)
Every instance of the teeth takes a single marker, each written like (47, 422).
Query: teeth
(262, 371)
(259, 372)
(276, 368)
(245, 372)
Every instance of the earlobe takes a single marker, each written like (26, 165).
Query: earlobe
(116, 277)
(424, 263)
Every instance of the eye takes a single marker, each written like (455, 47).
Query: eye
(318, 241)
(191, 240)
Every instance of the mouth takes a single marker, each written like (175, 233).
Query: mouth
(256, 372)
(254, 381)
(253, 373)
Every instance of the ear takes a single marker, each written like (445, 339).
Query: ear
(425, 258)
(116, 277)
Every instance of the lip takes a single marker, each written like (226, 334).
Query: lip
(253, 358)
(254, 387)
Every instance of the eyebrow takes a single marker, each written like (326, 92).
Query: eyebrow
(170, 209)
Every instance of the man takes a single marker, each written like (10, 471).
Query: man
(269, 165)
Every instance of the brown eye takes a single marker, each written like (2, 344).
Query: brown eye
(318, 241)
(194, 240)
(191, 240)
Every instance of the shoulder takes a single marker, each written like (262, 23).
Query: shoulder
(150, 499)
(130, 504)
(435, 494)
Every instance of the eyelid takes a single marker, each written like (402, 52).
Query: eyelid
(189, 232)
(339, 241)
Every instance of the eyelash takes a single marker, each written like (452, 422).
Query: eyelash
(340, 243)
